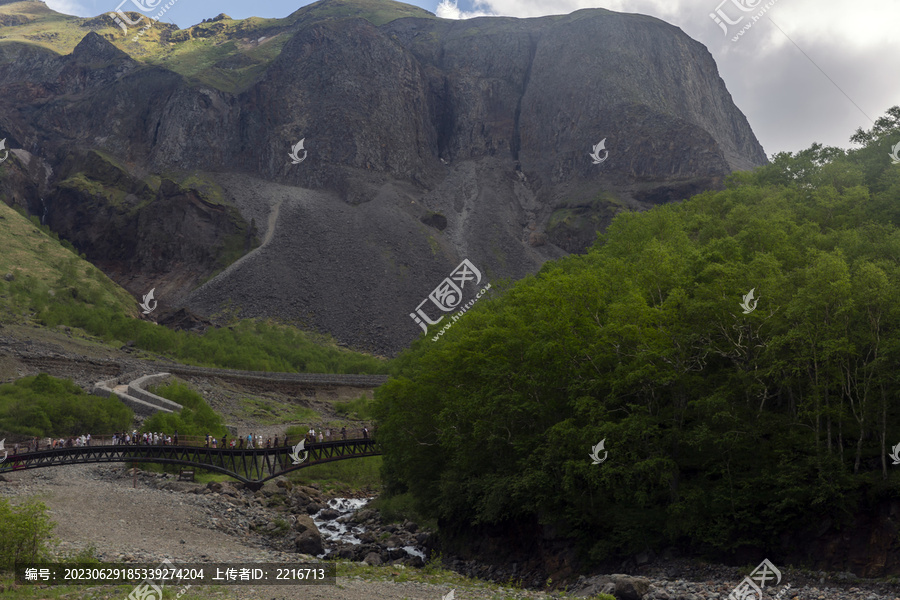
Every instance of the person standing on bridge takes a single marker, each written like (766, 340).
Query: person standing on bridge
(365, 433)
(276, 442)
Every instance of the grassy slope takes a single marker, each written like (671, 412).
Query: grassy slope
(40, 264)
(225, 54)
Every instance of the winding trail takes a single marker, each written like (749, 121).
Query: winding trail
(270, 227)
(270, 231)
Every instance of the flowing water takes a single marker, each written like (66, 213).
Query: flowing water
(335, 533)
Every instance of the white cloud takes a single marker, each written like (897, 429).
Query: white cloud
(448, 9)
(773, 70)
(69, 7)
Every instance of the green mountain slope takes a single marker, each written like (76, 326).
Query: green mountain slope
(222, 52)
(36, 271)
(44, 283)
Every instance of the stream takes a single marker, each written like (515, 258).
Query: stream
(335, 532)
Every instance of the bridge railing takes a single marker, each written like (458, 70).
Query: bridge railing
(18, 445)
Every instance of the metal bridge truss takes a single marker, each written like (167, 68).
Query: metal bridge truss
(251, 466)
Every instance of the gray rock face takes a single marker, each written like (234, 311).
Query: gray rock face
(428, 141)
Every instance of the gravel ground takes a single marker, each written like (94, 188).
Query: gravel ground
(95, 505)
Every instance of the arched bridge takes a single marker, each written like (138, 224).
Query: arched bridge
(252, 466)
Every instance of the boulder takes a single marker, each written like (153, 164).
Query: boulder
(269, 488)
(309, 542)
(301, 523)
(631, 588)
(306, 539)
(373, 558)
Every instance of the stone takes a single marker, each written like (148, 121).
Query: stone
(301, 523)
(631, 588)
(309, 542)
(373, 559)
(269, 488)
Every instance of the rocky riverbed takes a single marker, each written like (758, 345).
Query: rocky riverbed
(96, 506)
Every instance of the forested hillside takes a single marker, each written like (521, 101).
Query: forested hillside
(725, 430)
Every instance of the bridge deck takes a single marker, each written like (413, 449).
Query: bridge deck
(253, 466)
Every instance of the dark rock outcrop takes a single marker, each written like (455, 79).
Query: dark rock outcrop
(427, 141)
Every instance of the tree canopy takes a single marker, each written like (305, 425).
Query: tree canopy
(724, 429)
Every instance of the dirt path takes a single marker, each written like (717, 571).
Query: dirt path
(273, 219)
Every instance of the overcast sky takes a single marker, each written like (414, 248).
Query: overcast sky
(807, 71)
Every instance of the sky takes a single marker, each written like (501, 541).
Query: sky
(805, 71)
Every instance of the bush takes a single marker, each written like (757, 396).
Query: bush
(25, 531)
(195, 418)
(358, 408)
(42, 405)
(248, 345)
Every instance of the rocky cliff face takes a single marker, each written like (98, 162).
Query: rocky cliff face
(428, 141)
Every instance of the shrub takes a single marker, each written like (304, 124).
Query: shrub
(25, 530)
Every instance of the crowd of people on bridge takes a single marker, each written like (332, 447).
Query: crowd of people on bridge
(135, 438)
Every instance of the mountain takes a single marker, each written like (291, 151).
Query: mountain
(163, 154)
